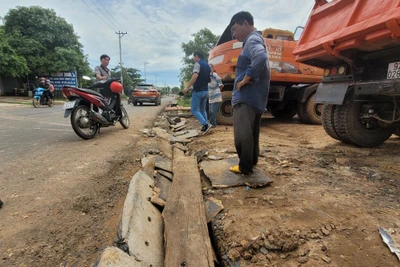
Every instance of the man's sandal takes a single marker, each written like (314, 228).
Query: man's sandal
(235, 169)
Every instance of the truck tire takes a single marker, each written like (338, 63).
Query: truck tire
(225, 112)
(328, 122)
(284, 114)
(349, 126)
(309, 112)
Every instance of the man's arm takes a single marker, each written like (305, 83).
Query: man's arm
(191, 82)
(195, 75)
(258, 59)
(99, 77)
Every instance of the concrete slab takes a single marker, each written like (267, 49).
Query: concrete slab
(213, 207)
(180, 124)
(161, 133)
(114, 257)
(148, 165)
(166, 174)
(165, 148)
(220, 176)
(163, 184)
(179, 139)
(181, 147)
(182, 132)
(190, 134)
(163, 164)
(142, 224)
(179, 128)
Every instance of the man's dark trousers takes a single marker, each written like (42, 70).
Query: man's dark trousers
(246, 129)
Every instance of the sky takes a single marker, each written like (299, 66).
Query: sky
(157, 28)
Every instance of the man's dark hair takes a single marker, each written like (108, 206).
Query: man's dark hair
(240, 17)
(199, 54)
(104, 56)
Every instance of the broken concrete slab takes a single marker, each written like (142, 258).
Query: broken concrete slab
(182, 132)
(220, 176)
(142, 224)
(148, 165)
(213, 207)
(155, 198)
(163, 164)
(178, 153)
(165, 148)
(179, 129)
(177, 108)
(161, 133)
(181, 147)
(114, 257)
(180, 124)
(179, 139)
(163, 184)
(190, 134)
(166, 174)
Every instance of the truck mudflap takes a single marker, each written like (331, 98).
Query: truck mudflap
(331, 93)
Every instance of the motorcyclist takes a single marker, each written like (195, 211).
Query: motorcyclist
(103, 73)
(50, 89)
(42, 84)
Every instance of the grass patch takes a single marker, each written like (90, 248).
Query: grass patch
(184, 102)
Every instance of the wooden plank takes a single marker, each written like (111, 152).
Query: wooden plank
(220, 176)
(186, 233)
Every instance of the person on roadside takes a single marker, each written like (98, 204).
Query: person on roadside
(102, 72)
(199, 81)
(250, 92)
(214, 96)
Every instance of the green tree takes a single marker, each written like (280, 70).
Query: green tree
(175, 90)
(11, 64)
(203, 41)
(130, 76)
(46, 41)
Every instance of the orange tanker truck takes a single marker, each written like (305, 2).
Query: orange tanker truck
(357, 42)
(293, 84)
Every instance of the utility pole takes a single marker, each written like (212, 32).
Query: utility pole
(145, 63)
(120, 35)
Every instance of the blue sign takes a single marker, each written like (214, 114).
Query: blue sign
(61, 79)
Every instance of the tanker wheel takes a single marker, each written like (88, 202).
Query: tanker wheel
(328, 122)
(309, 112)
(225, 111)
(352, 129)
(284, 114)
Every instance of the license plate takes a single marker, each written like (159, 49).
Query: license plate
(394, 70)
(144, 92)
(69, 105)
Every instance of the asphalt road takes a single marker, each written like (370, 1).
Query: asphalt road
(25, 129)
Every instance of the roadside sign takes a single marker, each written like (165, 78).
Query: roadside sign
(60, 79)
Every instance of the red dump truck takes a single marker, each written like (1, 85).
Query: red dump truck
(357, 42)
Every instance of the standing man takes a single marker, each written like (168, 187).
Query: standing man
(200, 80)
(214, 95)
(250, 92)
(102, 72)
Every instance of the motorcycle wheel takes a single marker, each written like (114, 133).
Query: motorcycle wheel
(36, 102)
(124, 120)
(81, 123)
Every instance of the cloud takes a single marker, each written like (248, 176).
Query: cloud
(157, 28)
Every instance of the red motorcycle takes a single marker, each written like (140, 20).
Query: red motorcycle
(91, 110)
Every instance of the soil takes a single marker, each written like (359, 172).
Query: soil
(62, 203)
(324, 208)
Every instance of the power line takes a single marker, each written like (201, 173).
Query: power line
(110, 14)
(97, 15)
(103, 14)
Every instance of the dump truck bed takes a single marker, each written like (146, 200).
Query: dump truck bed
(337, 28)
